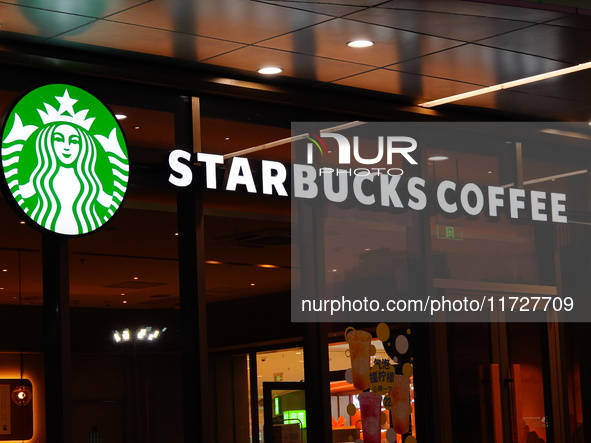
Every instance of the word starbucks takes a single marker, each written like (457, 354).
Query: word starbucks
(369, 189)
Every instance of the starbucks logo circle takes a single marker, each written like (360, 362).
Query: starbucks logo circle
(64, 159)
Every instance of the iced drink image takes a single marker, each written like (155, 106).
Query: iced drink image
(371, 411)
(400, 395)
(359, 343)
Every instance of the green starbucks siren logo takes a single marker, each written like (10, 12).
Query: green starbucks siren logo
(64, 159)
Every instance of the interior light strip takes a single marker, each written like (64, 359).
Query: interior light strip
(546, 179)
(285, 141)
(507, 85)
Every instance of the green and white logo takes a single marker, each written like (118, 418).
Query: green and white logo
(64, 159)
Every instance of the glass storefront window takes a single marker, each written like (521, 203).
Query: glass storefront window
(346, 427)
(476, 248)
(289, 406)
(21, 319)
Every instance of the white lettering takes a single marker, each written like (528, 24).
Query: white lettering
(240, 174)
(388, 191)
(468, 189)
(303, 181)
(271, 180)
(558, 207)
(358, 190)
(515, 203)
(414, 189)
(443, 187)
(344, 147)
(181, 168)
(494, 202)
(210, 161)
(343, 188)
(398, 150)
(370, 161)
(537, 205)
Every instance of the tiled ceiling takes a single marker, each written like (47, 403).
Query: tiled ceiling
(424, 49)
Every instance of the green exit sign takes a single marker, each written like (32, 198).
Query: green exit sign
(450, 232)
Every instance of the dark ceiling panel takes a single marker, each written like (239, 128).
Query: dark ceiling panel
(568, 45)
(352, 3)
(573, 21)
(400, 83)
(331, 9)
(479, 65)
(89, 8)
(149, 41)
(330, 40)
(252, 58)
(475, 9)
(235, 20)
(38, 22)
(453, 26)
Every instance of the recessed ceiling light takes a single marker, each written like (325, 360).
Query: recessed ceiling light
(270, 70)
(120, 116)
(438, 158)
(360, 44)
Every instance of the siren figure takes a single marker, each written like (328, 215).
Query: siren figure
(65, 180)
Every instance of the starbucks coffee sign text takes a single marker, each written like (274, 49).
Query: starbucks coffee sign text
(368, 187)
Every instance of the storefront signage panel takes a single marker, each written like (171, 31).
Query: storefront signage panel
(396, 167)
(64, 160)
(373, 169)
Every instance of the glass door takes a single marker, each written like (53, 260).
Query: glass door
(284, 406)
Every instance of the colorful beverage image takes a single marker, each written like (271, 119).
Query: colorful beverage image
(371, 411)
(400, 395)
(359, 350)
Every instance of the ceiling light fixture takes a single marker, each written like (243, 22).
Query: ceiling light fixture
(142, 334)
(507, 85)
(360, 44)
(438, 158)
(120, 116)
(270, 70)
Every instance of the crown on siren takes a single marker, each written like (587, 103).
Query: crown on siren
(65, 113)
